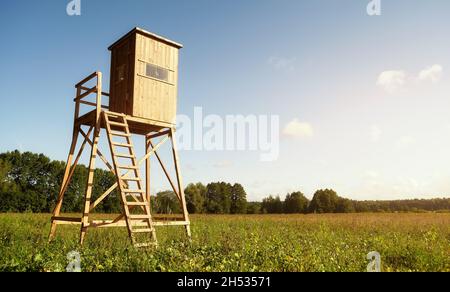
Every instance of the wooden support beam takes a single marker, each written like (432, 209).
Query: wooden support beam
(73, 167)
(150, 153)
(60, 220)
(92, 104)
(83, 95)
(79, 84)
(87, 88)
(171, 223)
(180, 181)
(167, 218)
(158, 134)
(112, 223)
(147, 172)
(66, 173)
(57, 210)
(94, 152)
(100, 154)
(102, 197)
(166, 173)
(137, 223)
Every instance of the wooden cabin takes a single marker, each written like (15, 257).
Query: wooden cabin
(144, 76)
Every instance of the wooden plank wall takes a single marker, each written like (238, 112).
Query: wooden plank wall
(154, 99)
(122, 66)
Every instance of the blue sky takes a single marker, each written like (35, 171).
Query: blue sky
(363, 101)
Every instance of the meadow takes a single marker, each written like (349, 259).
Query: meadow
(334, 242)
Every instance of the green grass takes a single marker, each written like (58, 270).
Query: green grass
(406, 242)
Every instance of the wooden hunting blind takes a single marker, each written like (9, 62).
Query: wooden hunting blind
(144, 76)
(142, 101)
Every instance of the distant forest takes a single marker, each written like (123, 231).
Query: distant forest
(30, 183)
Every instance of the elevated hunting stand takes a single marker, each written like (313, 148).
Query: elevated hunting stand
(142, 101)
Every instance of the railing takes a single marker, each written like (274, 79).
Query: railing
(84, 91)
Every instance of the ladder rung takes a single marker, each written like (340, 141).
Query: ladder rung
(130, 179)
(136, 203)
(146, 230)
(125, 155)
(113, 114)
(127, 167)
(139, 217)
(122, 145)
(118, 124)
(133, 191)
(120, 134)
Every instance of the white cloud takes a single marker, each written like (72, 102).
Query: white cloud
(281, 63)
(375, 133)
(297, 129)
(433, 74)
(391, 80)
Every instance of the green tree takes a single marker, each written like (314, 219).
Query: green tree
(35, 178)
(6, 184)
(103, 180)
(195, 198)
(74, 196)
(167, 203)
(238, 200)
(296, 203)
(324, 201)
(218, 198)
(253, 208)
(345, 206)
(272, 205)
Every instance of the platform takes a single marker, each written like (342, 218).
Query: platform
(138, 126)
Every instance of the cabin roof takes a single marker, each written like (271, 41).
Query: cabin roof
(148, 34)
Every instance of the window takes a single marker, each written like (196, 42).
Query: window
(157, 72)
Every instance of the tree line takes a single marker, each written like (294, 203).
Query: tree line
(328, 201)
(30, 183)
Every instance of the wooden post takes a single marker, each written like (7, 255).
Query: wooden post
(90, 180)
(148, 150)
(57, 210)
(180, 181)
(66, 178)
(147, 170)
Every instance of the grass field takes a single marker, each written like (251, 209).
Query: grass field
(406, 242)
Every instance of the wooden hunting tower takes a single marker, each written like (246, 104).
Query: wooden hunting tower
(144, 76)
(142, 101)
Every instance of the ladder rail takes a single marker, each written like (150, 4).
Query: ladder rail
(124, 187)
(138, 175)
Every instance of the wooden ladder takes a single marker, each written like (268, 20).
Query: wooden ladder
(136, 211)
